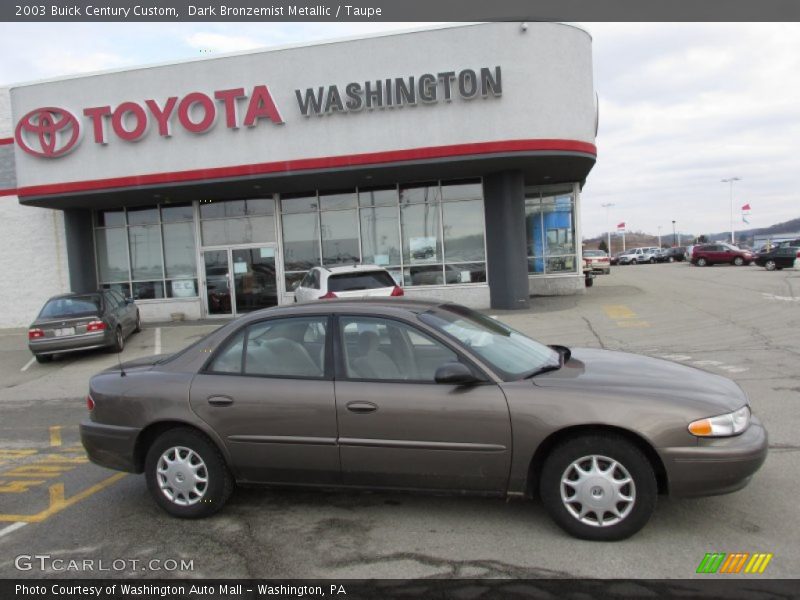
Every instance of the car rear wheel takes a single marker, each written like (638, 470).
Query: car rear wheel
(652, 261)
(671, 259)
(598, 487)
(702, 262)
(770, 265)
(119, 340)
(43, 358)
(187, 475)
(738, 261)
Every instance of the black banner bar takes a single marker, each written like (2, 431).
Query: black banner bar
(731, 588)
(398, 10)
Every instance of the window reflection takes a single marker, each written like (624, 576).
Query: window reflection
(550, 227)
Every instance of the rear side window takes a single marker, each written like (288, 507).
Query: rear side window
(72, 306)
(362, 280)
(293, 347)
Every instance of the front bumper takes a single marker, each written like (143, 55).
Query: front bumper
(111, 446)
(716, 465)
(72, 343)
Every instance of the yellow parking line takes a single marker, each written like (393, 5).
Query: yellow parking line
(55, 435)
(59, 503)
(619, 311)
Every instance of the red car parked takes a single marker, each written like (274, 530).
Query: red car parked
(712, 254)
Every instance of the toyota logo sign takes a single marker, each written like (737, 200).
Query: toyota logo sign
(48, 132)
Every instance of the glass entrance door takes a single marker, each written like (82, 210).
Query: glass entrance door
(240, 280)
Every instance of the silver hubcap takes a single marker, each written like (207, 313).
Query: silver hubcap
(598, 491)
(182, 476)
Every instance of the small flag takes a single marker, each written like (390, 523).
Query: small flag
(746, 213)
(746, 207)
(621, 226)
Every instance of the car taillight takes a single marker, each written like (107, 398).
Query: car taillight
(397, 291)
(89, 402)
(35, 334)
(95, 326)
(328, 296)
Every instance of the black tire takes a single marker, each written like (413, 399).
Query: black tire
(119, 340)
(671, 259)
(589, 281)
(652, 261)
(219, 485)
(738, 261)
(770, 265)
(702, 262)
(138, 327)
(602, 445)
(43, 358)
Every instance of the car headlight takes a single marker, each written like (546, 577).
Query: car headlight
(722, 425)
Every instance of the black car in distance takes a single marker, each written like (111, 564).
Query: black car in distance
(783, 257)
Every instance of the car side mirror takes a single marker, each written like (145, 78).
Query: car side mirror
(455, 373)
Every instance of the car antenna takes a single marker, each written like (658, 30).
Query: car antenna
(121, 369)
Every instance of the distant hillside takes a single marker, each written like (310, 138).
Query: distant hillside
(636, 239)
(792, 226)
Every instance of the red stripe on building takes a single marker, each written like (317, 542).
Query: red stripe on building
(330, 162)
(6, 141)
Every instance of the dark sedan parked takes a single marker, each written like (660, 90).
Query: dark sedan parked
(784, 257)
(424, 396)
(676, 253)
(74, 322)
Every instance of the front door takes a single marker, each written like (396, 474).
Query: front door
(399, 428)
(240, 280)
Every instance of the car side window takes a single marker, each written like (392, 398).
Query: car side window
(293, 347)
(306, 281)
(315, 279)
(387, 350)
(111, 302)
(120, 298)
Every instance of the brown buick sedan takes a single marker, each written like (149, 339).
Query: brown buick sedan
(421, 396)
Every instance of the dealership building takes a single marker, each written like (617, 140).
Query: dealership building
(452, 156)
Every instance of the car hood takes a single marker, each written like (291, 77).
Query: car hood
(606, 372)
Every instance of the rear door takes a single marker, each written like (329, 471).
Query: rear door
(268, 392)
(399, 428)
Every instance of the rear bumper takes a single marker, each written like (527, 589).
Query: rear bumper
(73, 343)
(716, 466)
(110, 446)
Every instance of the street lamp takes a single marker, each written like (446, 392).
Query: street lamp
(659, 236)
(674, 237)
(608, 206)
(730, 180)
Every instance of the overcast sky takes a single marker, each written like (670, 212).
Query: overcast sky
(682, 106)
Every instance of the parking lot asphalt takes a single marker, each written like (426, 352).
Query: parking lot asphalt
(741, 322)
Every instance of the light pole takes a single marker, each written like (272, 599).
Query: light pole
(674, 236)
(730, 180)
(659, 236)
(608, 206)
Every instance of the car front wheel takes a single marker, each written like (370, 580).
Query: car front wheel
(598, 487)
(702, 262)
(770, 265)
(187, 475)
(738, 261)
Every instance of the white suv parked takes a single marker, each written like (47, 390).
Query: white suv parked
(353, 281)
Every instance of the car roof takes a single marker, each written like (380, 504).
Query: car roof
(378, 306)
(354, 268)
(75, 295)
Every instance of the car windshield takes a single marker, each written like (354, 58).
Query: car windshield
(361, 280)
(511, 354)
(70, 307)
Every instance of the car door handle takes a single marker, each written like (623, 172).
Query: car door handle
(362, 407)
(220, 400)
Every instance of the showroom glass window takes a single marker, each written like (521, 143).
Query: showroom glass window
(232, 222)
(147, 252)
(429, 233)
(550, 229)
